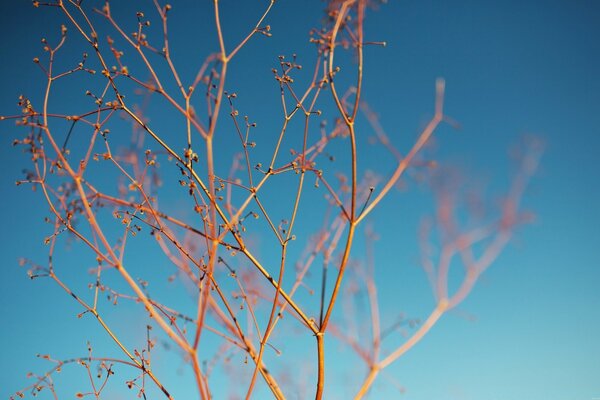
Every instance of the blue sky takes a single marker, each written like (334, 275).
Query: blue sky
(512, 69)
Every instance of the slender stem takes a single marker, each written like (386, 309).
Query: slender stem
(373, 372)
(435, 315)
(321, 365)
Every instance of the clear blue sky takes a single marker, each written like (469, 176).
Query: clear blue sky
(512, 68)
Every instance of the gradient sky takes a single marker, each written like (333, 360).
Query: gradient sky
(512, 68)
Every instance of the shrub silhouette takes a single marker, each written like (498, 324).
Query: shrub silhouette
(258, 231)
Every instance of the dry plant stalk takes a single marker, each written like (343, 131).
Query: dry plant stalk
(240, 299)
